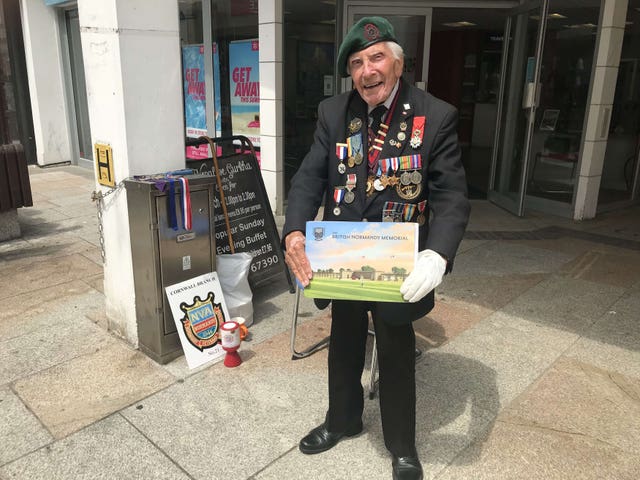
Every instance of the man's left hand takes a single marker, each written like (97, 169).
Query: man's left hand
(426, 276)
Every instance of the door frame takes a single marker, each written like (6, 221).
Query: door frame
(517, 207)
(382, 8)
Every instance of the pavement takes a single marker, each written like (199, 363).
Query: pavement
(530, 370)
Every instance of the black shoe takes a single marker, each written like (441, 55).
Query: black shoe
(406, 468)
(320, 439)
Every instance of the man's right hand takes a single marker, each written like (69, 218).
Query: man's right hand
(296, 257)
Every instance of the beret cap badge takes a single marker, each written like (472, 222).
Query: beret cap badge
(371, 32)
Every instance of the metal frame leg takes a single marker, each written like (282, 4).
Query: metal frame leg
(295, 355)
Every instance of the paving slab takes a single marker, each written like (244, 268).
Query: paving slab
(613, 342)
(46, 308)
(494, 361)
(582, 400)
(48, 271)
(20, 431)
(110, 449)
(77, 393)
(260, 409)
(500, 258)
(529, 453)
(607, 268)
(445, 322)
(485, 291)
(60, 341)
(565, 303)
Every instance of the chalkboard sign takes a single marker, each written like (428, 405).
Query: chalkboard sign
(253, 227)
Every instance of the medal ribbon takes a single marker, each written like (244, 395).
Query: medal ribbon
(338, 195)
(354, 143)
(185, 203)
(409, 210)
(418, 128)
(394, 164)
(421, 206)
(173, 220)
(341, 150)
(351, 181)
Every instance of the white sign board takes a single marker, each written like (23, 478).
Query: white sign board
(199, 310)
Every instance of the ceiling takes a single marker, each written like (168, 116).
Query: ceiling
(578, 12)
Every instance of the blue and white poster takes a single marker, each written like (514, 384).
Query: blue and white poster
(244, 81)
(195, 104)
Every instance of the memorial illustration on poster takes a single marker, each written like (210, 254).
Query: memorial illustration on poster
(195, 104)
(199, 310)
(360, 260)
(244, 81)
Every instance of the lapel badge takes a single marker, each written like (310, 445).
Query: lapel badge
(355, 125)
(403, 126)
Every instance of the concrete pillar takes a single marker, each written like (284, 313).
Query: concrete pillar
(42, 49)
(613, 15)
(131, 52)
(270, 17)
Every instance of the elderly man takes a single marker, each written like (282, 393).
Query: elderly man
(384, 151)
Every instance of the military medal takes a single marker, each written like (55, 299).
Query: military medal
(421, 217)
(355, 125)
(355, 149)
(405, 166)
(416, 165)
(341, 153)
(409, 192)
(370, 189)
(394, 162)
(338, 195)
(403, 126)
(407, 211)
(417, 132)
(401, 136)
(349, 196)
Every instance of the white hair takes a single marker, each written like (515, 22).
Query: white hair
(396, 50)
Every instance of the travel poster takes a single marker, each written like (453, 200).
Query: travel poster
(244, 83)
(360, 260)
(199, 310)
(195, 105)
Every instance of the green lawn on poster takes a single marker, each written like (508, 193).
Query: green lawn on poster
(379, 291)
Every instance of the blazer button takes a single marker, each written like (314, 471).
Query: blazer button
(365, 220)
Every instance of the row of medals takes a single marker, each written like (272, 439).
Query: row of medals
(408, 184)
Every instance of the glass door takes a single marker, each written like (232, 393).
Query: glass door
(518, 100)
(76, 64)
(412, 25)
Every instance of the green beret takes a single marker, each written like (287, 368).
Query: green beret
(363, 34)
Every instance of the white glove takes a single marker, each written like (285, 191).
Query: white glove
(426, 276)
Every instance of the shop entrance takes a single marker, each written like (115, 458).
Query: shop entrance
(454, 51)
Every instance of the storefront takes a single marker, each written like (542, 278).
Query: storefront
(547, 90)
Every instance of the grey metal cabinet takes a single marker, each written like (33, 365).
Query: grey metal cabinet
(163, 256)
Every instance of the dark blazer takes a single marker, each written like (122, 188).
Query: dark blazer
(444, 183)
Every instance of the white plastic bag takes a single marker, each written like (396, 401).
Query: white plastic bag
(233, 272)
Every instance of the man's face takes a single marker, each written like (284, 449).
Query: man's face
(374, 72)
